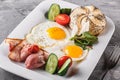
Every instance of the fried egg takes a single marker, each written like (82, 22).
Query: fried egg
(75, 52)
(69, 49)
(48, 34)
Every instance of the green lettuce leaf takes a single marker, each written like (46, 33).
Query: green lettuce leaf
(84, 40)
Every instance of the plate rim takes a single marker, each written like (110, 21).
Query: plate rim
(24, 70)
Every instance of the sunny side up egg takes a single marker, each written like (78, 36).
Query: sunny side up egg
(69, 49)
(48, 34)
(74, 51)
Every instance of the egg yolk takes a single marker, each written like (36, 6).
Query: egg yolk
(56, 33)
(73, 51)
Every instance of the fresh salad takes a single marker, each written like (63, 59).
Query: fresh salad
(59, 66)
(58, 15)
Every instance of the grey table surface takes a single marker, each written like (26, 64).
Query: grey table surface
(12, 12)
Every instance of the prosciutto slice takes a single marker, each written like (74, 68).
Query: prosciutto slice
(36, 60)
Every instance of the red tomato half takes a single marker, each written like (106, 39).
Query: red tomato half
(62, 19)
(62, 60)
(34, 49)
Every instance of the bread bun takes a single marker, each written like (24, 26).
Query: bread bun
(87, 18)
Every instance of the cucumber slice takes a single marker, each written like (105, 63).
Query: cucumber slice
(63, 70)
(52, 63)
(53, 11)
(66, 11)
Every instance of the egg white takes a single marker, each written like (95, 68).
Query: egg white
(39, 36)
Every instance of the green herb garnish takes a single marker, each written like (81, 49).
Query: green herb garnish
(84, 40)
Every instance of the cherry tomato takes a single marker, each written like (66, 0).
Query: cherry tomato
(62, 60)
(34, 49)
(62, 19)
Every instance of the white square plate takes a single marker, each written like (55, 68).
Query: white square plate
(85, 68)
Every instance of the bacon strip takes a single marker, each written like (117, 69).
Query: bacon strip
(16, 52)
(12, 42)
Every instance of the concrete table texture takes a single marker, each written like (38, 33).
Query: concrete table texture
(12, 12)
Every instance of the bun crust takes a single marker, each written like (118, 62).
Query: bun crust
(89, 16)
